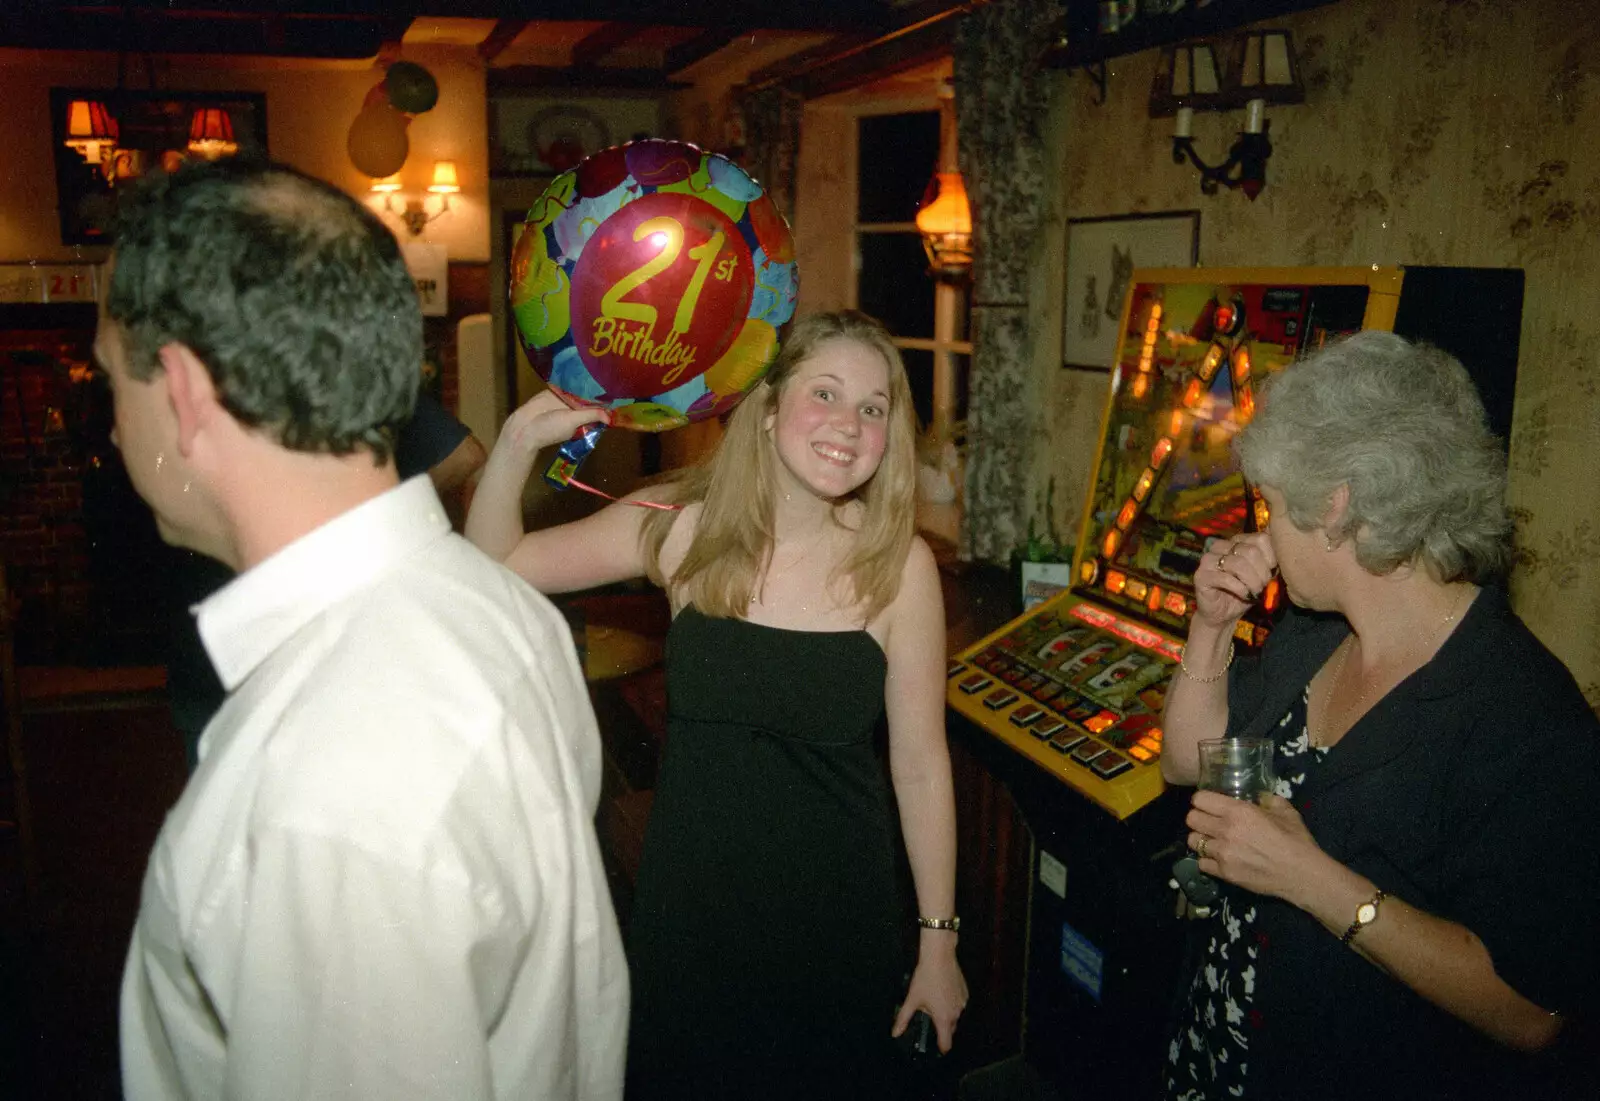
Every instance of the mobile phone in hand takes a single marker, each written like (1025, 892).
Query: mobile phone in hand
(920, 1040)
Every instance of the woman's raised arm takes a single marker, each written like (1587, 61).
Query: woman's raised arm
(1229, 577)
(596, 550)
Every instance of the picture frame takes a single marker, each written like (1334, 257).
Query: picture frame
(1101, 255)
(152, 132)
(545, 135)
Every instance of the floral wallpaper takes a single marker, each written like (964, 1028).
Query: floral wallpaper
(1454, 132)
(1003, 97)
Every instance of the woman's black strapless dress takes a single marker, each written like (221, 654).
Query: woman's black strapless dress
(764, 939)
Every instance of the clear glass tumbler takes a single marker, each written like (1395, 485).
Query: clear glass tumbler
(1237, 767)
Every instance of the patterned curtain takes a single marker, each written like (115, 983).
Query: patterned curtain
(772, 143)
(1002, 98)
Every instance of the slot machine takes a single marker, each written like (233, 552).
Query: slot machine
(1068, 697)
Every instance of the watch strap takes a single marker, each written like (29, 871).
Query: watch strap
(1359, 924)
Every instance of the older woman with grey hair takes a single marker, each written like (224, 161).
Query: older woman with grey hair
(1412, 914)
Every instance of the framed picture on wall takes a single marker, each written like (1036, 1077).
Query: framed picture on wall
(104, 138)
(1101, 256)
(545, 136)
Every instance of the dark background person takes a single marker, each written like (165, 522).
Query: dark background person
(432, 441)
(1414, 913)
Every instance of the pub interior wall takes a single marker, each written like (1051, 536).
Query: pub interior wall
(310, 105)
(1439, 132)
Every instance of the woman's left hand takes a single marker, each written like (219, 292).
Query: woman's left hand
(937, 988)
(1263, 847)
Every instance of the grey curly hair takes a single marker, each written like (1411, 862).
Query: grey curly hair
(1402, 426)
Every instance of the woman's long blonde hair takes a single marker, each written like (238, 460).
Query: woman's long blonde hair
(734, 536)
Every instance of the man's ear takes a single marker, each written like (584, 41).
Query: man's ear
(190, 389)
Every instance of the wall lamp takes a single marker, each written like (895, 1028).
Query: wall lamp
(92, 131)
(414, 214)
(944, 217)
(1261, 70)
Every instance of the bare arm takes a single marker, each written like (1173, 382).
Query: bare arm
(456, 468)
(597, 550)
(919, 764)
(1268, 850)
(1197, 709)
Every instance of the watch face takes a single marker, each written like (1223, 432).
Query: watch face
(1366, 913)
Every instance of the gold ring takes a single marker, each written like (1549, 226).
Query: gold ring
(1221, 562)
(1200, 849)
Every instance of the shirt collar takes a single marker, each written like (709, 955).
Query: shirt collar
(242, 623)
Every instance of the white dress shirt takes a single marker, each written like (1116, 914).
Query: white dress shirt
(383, 881)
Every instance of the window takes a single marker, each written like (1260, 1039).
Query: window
(896, 155)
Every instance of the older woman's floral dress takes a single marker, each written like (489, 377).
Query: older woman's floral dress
(1208, 1057)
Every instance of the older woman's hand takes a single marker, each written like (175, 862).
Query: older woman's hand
(1263, 847)
(1231, 575)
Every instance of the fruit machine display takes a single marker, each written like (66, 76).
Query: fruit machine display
(1063, 704)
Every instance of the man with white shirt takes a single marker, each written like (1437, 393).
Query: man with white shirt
(382, 881)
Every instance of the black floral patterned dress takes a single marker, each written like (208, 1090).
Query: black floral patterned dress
(1208, 1057)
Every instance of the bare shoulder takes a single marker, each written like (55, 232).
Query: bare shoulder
(679, 538)
(918, 606)
(920, 572)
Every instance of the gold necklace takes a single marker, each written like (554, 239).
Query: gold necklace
(769, 577)
(1337, 673)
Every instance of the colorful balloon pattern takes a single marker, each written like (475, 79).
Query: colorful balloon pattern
(653, 281)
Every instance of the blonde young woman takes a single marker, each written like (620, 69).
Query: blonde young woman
(766, 931)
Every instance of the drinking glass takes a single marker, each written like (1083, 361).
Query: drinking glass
(1238, 767)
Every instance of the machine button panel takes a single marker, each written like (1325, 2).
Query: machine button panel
(975, 683)
(1109, 764)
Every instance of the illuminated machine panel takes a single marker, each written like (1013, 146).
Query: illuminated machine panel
(1079, 691)
(1076, 685)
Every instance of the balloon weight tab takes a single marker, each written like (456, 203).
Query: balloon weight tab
(571, 454)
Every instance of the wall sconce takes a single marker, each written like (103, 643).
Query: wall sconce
(944, 217)
(1263, 72)
(211, 134)
(414, 215)
(91, 131)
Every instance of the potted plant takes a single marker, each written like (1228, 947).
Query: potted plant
(1042, 565)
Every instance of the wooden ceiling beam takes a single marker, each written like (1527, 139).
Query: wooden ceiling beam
(848, 61)
(797, 63)
(698, 48)
(504, 32)
(606, 38)
(515, 78)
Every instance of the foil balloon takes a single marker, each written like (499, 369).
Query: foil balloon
(653, 281)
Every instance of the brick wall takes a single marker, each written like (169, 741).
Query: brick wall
(42, 536)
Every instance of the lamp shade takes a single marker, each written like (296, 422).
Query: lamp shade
(1187, 76)
(444, 178)
(1267, 69)
(946, 225)
(211, 134)
(91, 130)
(387, 185)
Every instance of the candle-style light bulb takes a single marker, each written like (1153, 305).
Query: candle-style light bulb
(1255, 111)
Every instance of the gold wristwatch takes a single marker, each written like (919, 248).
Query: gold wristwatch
(1366, 914)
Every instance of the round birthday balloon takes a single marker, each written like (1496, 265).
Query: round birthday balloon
(653, 281)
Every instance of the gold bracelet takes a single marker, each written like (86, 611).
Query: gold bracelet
(951, 923)
(1218, 675)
